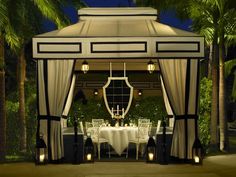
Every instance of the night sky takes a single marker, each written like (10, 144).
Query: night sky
(168, 18)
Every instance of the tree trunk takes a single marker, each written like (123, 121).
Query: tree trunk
(224, 141)
(210, 62)
(2, 103)
(214, 103)
(21, 88)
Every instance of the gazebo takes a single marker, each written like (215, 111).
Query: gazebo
(111, 34)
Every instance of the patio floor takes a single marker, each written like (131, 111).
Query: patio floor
(214, 166)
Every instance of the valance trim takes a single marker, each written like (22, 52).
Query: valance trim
(186, 116)
(45, 117)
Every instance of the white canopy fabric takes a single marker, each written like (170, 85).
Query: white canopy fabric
(130, 35)
(119, 33)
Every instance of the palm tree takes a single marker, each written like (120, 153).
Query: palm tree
(18, 28)
(216, 20)
(6, 34)
(230, 68)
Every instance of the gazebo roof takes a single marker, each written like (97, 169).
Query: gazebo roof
(118, 34)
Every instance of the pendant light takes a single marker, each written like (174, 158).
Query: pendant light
(85, 67)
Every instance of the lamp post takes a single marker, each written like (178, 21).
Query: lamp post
(151, 151)
(41, 152)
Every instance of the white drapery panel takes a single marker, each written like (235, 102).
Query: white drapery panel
(181, 86)
(68, 103)
(167, 105)
(54, 82)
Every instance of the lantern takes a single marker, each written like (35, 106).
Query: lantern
(41, 152)
(85, 67)
(197, 152)
(151, 151)
(150, 67)
(88, 151)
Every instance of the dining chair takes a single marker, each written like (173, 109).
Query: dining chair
(141, 138)
(143, 121)
(158, 126)
(98, 121)
(98, 140)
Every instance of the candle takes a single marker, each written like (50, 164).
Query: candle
(196, 159)
(41, 157)
(89, 156)
(123, 112)
(117, 109)
(112, 112)
(150, 156)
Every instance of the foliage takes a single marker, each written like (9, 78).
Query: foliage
(230, 67)
(13, 131)
(205, 111)
(148, 107)
(12, 127)
(92, 109)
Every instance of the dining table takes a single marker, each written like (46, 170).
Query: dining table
(118, 137)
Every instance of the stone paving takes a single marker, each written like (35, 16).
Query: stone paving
(214, 166)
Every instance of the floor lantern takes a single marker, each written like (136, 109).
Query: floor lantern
(41, 152)
(197, 152)
(151, 151)
(88, 150)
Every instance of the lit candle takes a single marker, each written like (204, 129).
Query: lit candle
(150, 156)
(196, 159)
(112, 112)
(89, 156)
(117, 109)
(41, 157)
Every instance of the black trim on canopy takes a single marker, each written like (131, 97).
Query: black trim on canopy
(187, 89)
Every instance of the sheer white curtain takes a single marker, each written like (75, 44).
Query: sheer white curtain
(54, 82)
(180, 78)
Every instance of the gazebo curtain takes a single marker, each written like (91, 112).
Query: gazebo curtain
(180, 78)
(167, 105)
(68, 102)
(54, 83)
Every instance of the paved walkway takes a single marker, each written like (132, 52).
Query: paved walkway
(214, 166)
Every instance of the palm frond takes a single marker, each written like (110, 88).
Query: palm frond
(53, 11)
(229, 65)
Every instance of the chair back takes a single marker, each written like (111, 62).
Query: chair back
(97, 122)
(140, 121)
(143, 130)
(81, 126)
(158, 126)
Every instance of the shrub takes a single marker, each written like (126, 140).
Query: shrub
(152, 108)
(205, 111)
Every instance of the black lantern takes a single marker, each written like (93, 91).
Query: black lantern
(197, 152)
(85, 67)
(151, 151)
(41, 152)
(88, 150)
(150, 67)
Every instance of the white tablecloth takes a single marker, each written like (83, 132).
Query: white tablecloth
(118, 137)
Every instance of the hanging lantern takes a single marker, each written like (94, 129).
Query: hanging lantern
(197, 152)
(88, 151)
(41, 152)
(151, 151)
(150, 67)
(85, 67)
